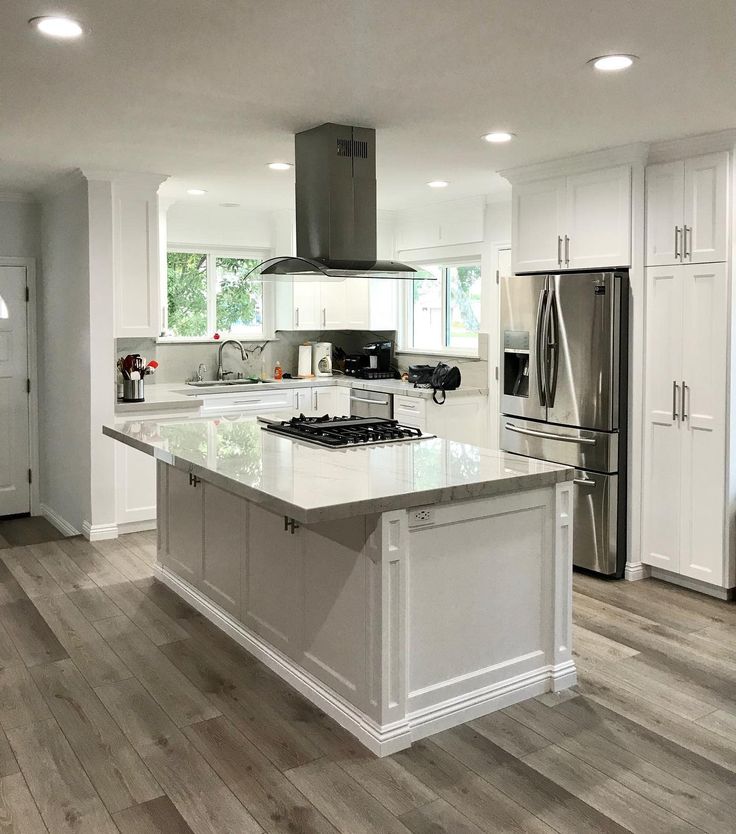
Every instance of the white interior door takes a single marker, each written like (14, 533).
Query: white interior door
(703, 425)
(15, 491)
(663, 402)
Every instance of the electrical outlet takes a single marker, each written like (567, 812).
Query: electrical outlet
(424, 515)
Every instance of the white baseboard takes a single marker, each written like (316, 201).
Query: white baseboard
(61, 524)
(99, 532)
(136, 526)
(387, 739)
(635, 571)
(692, 584)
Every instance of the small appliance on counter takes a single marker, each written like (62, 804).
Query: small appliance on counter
(354, 363)
(322, 358)
(378, 365)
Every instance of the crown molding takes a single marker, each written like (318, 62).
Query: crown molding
(125, 178)
(633, 154)
(60, 184)
(674, 149)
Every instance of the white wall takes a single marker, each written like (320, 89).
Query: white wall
(20, 224)
(216, 226)
(64, 353)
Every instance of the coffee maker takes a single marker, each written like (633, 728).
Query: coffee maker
(378, 365)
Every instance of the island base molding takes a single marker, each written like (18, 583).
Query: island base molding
(380, 740)
(398, 623)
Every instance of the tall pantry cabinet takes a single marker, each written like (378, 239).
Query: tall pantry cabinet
(686, 476)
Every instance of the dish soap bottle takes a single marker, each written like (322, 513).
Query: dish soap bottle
(277, 372)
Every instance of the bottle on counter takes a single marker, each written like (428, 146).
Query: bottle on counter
(278, 372)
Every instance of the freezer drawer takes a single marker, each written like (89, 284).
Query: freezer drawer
(595, 522)
(584, 448)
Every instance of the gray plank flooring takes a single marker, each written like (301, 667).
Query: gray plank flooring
(122, 709)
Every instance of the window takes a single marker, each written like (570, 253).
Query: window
(208, 293)
(443, 313)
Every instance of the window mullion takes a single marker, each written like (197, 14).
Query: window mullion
(445, 307)
(211, 294)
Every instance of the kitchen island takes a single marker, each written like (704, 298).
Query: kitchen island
(404, 588)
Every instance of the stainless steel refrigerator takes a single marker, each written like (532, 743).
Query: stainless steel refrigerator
(564, 387)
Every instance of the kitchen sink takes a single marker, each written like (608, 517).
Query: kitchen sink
(211, 383)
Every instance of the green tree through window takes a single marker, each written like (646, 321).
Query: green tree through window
(187, 293)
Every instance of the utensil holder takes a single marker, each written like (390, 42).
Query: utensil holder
(133, 391)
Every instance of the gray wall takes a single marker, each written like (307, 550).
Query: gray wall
(64, 354)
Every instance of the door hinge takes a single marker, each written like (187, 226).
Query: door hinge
(30, 476)
(28, 386)
(28, 295)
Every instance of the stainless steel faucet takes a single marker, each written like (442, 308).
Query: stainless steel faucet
(243, 355)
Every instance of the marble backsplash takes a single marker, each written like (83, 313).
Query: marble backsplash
(179, 361)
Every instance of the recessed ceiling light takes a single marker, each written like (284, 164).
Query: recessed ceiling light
(230, 205)
(612, 63)
(498, 136)
(196, 192)
(438, 184)
(56, 26)
(279, 166)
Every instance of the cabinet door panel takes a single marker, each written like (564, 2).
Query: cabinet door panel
(273, 590)
(325, 401)
(704, 371)
(664, 212)
(185, 526)
(333, 301)
(537, 222)
(357, 304)
(224, 547)
(662, 439)
(135, 485)
(599, 218)
(306, 305)
(706, 201)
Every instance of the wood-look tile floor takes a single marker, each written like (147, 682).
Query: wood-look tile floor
(123, 710)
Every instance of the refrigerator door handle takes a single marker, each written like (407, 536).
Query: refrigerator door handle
(541, 348)
(548, 435)
(552, 347)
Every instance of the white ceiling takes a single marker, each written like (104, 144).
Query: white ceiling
(209, 91)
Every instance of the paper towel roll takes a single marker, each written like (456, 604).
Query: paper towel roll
(305, 360)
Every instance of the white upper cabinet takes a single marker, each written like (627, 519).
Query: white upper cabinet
(137, 256)
(582, 221)
(538, 220)
(687, 204)
(305, 311)
(598, 219)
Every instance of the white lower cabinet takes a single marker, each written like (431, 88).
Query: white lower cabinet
(463, 419)
(686, 379)
(316, 401)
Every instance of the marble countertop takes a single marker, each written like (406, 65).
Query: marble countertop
(310, 483)
(180, 396)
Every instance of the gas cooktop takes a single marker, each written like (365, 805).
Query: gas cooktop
(339, 432)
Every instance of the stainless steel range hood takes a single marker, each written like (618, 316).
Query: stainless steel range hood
(335, 210)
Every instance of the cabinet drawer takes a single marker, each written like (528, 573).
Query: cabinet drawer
(249, 401)
(412, 411)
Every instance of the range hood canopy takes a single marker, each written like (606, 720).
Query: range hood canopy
(335, 210)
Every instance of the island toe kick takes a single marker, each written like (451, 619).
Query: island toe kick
(398, 624)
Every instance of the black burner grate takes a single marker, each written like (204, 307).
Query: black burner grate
(338, 432)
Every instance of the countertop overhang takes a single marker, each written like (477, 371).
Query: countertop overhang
(311, 484)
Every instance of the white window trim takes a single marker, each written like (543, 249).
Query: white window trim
(212, 252)
(405, 322)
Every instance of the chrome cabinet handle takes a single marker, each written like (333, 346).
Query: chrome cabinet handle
(583, 482)
(685, 231)
(590, 441)
(567, 251)
(193, 480)
(296, 312)
(675, 393)
(685, 391)
(559, 250)
(678, 231)
(324, 317)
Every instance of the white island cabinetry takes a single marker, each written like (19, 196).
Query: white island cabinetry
(378, 581)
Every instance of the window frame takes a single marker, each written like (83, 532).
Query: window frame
(212, 253)
(406, 320)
